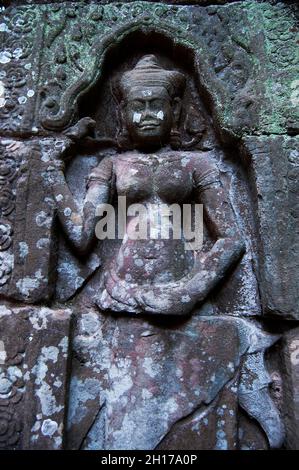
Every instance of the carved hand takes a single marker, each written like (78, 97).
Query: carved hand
(164, 299)
(81, 129)
(168, 299)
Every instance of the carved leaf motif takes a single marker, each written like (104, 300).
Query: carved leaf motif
(23, 21)
(15, 77)
(19, 49)
(7, 170)
(9, 428)
(5, 270)
(5, 235)
(10, 106)
(7, 201)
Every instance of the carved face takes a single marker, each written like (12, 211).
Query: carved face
(148, 115)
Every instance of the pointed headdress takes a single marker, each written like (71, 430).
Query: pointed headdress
(149, 73)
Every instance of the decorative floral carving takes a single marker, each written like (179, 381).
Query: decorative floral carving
(20, 49)
(5, 270)
(10, 426)
(8, 169)
(7, 201)
(5, 235)
(15, 77)
(60, 56)
(97, 14)
(9, 389)
(10, 108)
(23, 21)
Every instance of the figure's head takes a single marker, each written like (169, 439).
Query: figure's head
(150, 102)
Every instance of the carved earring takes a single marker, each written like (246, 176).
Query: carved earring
(175, 135)
(122, 138)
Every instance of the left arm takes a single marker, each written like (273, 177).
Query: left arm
(211, 267)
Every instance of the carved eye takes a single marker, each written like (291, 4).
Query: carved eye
(158, 104)
(136, 105)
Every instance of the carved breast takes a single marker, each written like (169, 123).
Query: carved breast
(164, 177)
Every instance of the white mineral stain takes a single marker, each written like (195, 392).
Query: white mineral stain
(57, 383)
(4, 28)
(39, 320)
(45, 157)
(30, 93)
(29, 284)
(26, 376)
(57, 441)
(47, 400)
(146, 394)
(160, 115)
(185, 162)
(2, 94)
(42, 243)
(80, 392)
(150, 367)
(64, 344)
(14, 372)
(50, 353)
(171, 405)
(3, 354)
(23, 249)
(4, 311)
(122, 381)
(17, 53)
(42, 219)
(5, 57)
(49, 427)
(294, 347)
(89, 323)
(137, 117)
(67, 211)
(35, 427)
(138, 262)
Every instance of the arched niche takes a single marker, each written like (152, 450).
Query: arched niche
(59, 109)
(122, 54)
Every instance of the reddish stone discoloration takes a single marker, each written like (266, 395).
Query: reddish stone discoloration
(157, 375)
(161, 354)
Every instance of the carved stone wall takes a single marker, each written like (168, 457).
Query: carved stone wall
(223, 375)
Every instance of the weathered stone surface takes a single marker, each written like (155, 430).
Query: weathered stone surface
(274, 164)
(244, 53)
(197, 359)
(175, 102)
(290, 360)
(33, 376)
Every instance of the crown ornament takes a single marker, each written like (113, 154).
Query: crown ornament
(149, 73)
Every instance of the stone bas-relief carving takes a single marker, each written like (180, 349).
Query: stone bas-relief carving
(129, 343)
(159, 278)
(153, 277)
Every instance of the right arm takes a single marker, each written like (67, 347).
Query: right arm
(79, 223)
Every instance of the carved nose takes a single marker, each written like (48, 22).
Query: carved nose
(148, 112)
